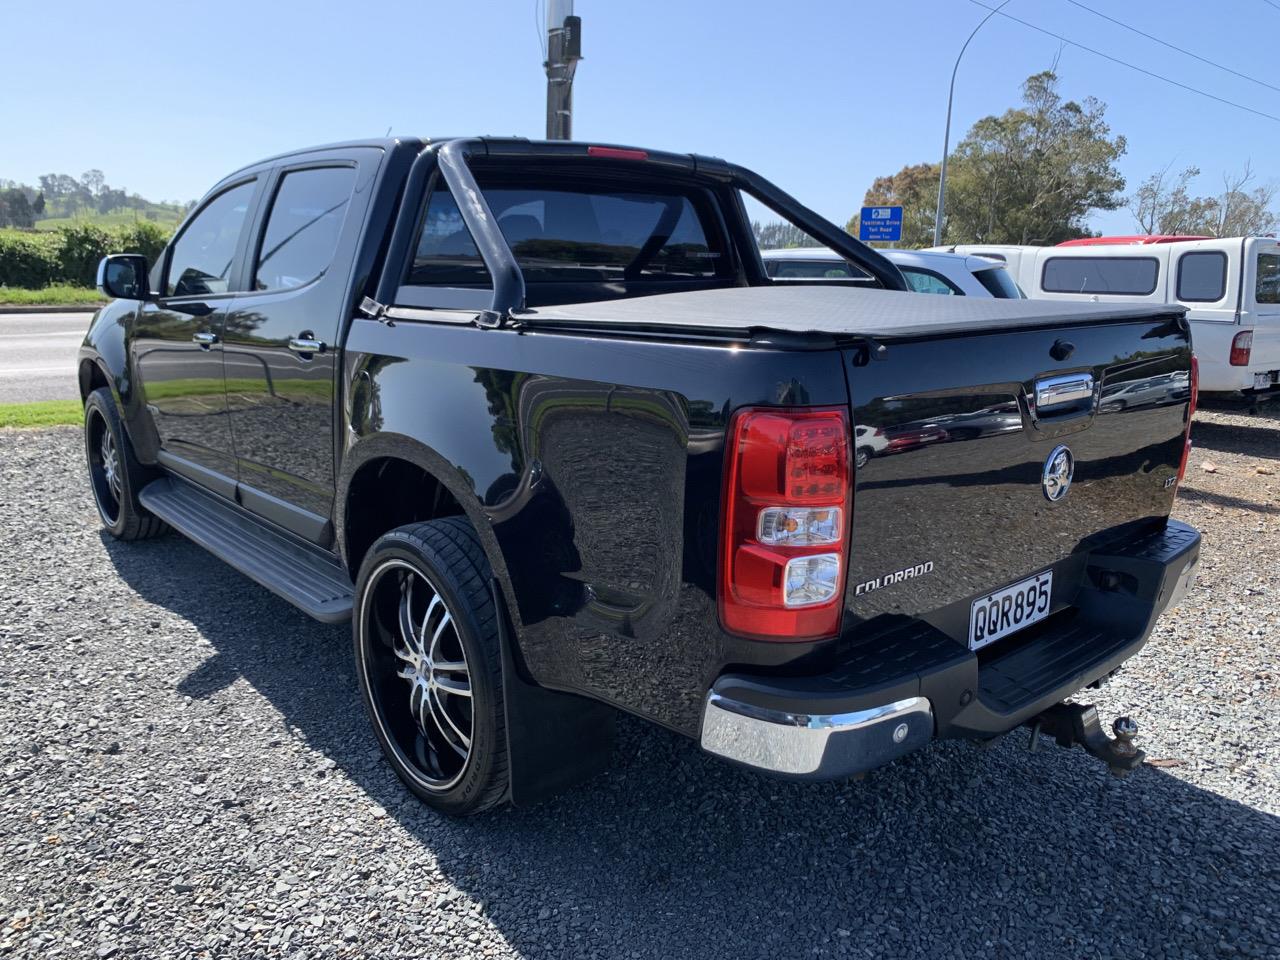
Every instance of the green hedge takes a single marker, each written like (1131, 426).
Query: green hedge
(71, 254)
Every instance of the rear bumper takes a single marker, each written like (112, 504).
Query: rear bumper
(914, 683)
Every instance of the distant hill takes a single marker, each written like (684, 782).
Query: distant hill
(61, 200)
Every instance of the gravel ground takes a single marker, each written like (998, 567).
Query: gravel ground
(187, 772)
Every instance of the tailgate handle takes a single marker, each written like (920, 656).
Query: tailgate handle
(1069, 388)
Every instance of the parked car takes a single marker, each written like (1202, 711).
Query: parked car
(925, 271)
(1230, 287)
(535, 418)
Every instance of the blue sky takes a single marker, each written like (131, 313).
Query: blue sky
(818, 95)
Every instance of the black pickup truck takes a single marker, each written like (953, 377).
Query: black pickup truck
(536, 419)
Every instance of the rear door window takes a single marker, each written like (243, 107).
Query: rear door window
(1202, 276)
(1268, 286)
(303, 227)
(926, 281)
(1120, 276)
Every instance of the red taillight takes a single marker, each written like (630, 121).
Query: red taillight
(785, 526)
(617, 153)
(1241, 347)
(1191, 412)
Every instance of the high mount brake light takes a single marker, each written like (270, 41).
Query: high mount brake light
(1191, 412)
(784, 540)
(617, 153)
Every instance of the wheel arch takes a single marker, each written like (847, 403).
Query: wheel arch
(408, 466)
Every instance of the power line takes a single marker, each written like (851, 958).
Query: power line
(1132, 66)
(1272, 3)
(1165, 43)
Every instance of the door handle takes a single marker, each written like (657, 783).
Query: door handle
(307, 345)
(206, 340)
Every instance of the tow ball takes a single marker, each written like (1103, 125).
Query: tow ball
(1077, 723)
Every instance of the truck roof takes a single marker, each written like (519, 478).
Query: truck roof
(839, 310)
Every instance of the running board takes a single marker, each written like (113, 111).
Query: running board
(310, 578)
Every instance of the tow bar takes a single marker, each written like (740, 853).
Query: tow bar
(1077, 723)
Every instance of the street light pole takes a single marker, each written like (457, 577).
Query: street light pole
(946, 137)
(564, 50)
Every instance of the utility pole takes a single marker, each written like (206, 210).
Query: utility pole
(564, 50)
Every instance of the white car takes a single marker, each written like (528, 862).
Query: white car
(926, 271)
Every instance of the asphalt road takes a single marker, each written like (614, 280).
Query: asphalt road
(38, 355)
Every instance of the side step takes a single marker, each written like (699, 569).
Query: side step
(310, 578)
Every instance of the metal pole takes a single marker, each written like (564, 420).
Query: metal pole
(946, 137)
(563, 53)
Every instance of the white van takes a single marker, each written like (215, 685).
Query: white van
(1230, 286)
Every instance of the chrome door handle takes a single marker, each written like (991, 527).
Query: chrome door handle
(307, 345)
(206, 340)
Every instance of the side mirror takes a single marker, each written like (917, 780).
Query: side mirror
(123, 276)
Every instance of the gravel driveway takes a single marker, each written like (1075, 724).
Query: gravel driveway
(187, 772)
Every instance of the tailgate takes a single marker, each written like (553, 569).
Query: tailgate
(950, 495)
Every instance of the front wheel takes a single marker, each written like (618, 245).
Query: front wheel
(429, 664)
(115, 476)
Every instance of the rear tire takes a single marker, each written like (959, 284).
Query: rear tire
(115, 475)
(429, 664)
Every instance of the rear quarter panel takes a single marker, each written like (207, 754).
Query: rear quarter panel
(591, 467)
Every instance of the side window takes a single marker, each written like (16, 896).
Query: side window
(303, 227)
(1268, 287)
(201, 260)
(1202, 277)
(922, 281)
(446, 254)
(1125, 276)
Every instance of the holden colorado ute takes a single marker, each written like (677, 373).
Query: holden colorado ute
(535, 418)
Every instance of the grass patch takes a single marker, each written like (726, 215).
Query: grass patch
(43, 413)
(56, 296)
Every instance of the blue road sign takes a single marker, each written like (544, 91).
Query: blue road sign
(880, 223)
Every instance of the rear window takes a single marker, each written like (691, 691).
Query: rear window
(1124, 276)
(1268, 288)
(998, 283)
(574, 234)
(1202, 277)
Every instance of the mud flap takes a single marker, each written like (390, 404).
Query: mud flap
(554, 740)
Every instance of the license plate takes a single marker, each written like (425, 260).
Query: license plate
(1009, 609)
(1261, 381)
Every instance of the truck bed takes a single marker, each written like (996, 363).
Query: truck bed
(838, 311)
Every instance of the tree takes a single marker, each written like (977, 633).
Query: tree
(779, 233)
(1166, 206)
(1160, 204)
(1035, 173)
(37, 205)
(915, 189)
(92, 182)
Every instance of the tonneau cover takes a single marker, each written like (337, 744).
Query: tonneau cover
(836, 310)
